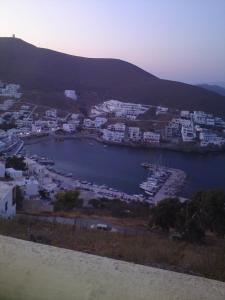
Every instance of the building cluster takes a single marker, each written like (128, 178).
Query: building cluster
(119, 133)
(10, 90)
(30, 182)
(112, 121)
(197, 127)
(70, 94)
(8, 190)
(129, 111)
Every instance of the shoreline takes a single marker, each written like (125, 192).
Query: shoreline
(161, 146)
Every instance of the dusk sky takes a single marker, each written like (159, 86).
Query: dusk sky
(180, 40)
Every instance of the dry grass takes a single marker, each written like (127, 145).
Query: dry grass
(152, 249)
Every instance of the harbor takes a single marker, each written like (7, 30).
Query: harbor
(161, 182)
(120, 167)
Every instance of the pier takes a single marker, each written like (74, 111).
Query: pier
(162, 183)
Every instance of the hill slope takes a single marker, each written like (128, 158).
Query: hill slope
(47, 70)
(214, 88)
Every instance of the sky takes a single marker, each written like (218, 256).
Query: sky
(181, 40)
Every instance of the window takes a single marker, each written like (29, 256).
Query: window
(6, 205)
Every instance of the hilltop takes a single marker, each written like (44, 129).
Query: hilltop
(50, 71)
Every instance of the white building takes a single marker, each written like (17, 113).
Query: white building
(36, 128)
(210, 121)
(11, 90)
(134, 133)
(113, 136)
(188, 131)
(15, 174)
(2, 169)
(160, 110)
(7, 104)
(75, 116)
(185, 114)
(208, 138)
(31, 188)
(100, 121)
(51, 113)
(25, 107)
(199, 117)
(117, 127)
(2, 146)
(88, 123)
(173, 129)
(71, 94)
(151, 137)
(69, 127)
(7, 200)
(120, 109)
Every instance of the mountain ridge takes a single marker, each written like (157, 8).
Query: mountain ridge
(214, 88)
(48, 70)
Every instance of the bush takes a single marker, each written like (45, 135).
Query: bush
(205, 211)
(16, 163)
(67, 200)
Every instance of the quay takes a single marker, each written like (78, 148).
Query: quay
(163, 182)
(68, 182)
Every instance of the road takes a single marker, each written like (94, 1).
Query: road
(86, 223)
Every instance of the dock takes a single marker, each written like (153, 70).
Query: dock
(168, 185)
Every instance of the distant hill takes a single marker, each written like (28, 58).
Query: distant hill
(46, 70)
(214, 88)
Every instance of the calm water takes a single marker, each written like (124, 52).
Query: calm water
(119, 167)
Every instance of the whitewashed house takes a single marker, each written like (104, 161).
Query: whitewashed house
(208, 138)
(15, 174)
(2, 169)
(185, 114)
(210, 121)
(188, 131)
(88, 123)
(2, 146)
(51, 113)
(69, 127)
(71, 94)
(11, 90)
(160, 110)
(75, 116)
(7, 200)
(120, 109)
(100, 121)
(113, 136)
(151, 137)
(134, 133)
(199, 117)
(36, 128)
(173, 129)
(117, 127)
(31, 188)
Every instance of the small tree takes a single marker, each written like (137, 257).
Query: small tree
(165, 214)
(96, 203)
(67, 200)
(211, 207)
(16, 163)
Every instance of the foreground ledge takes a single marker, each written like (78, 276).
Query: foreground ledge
(34, 271)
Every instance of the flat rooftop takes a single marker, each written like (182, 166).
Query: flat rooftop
(34, 271)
